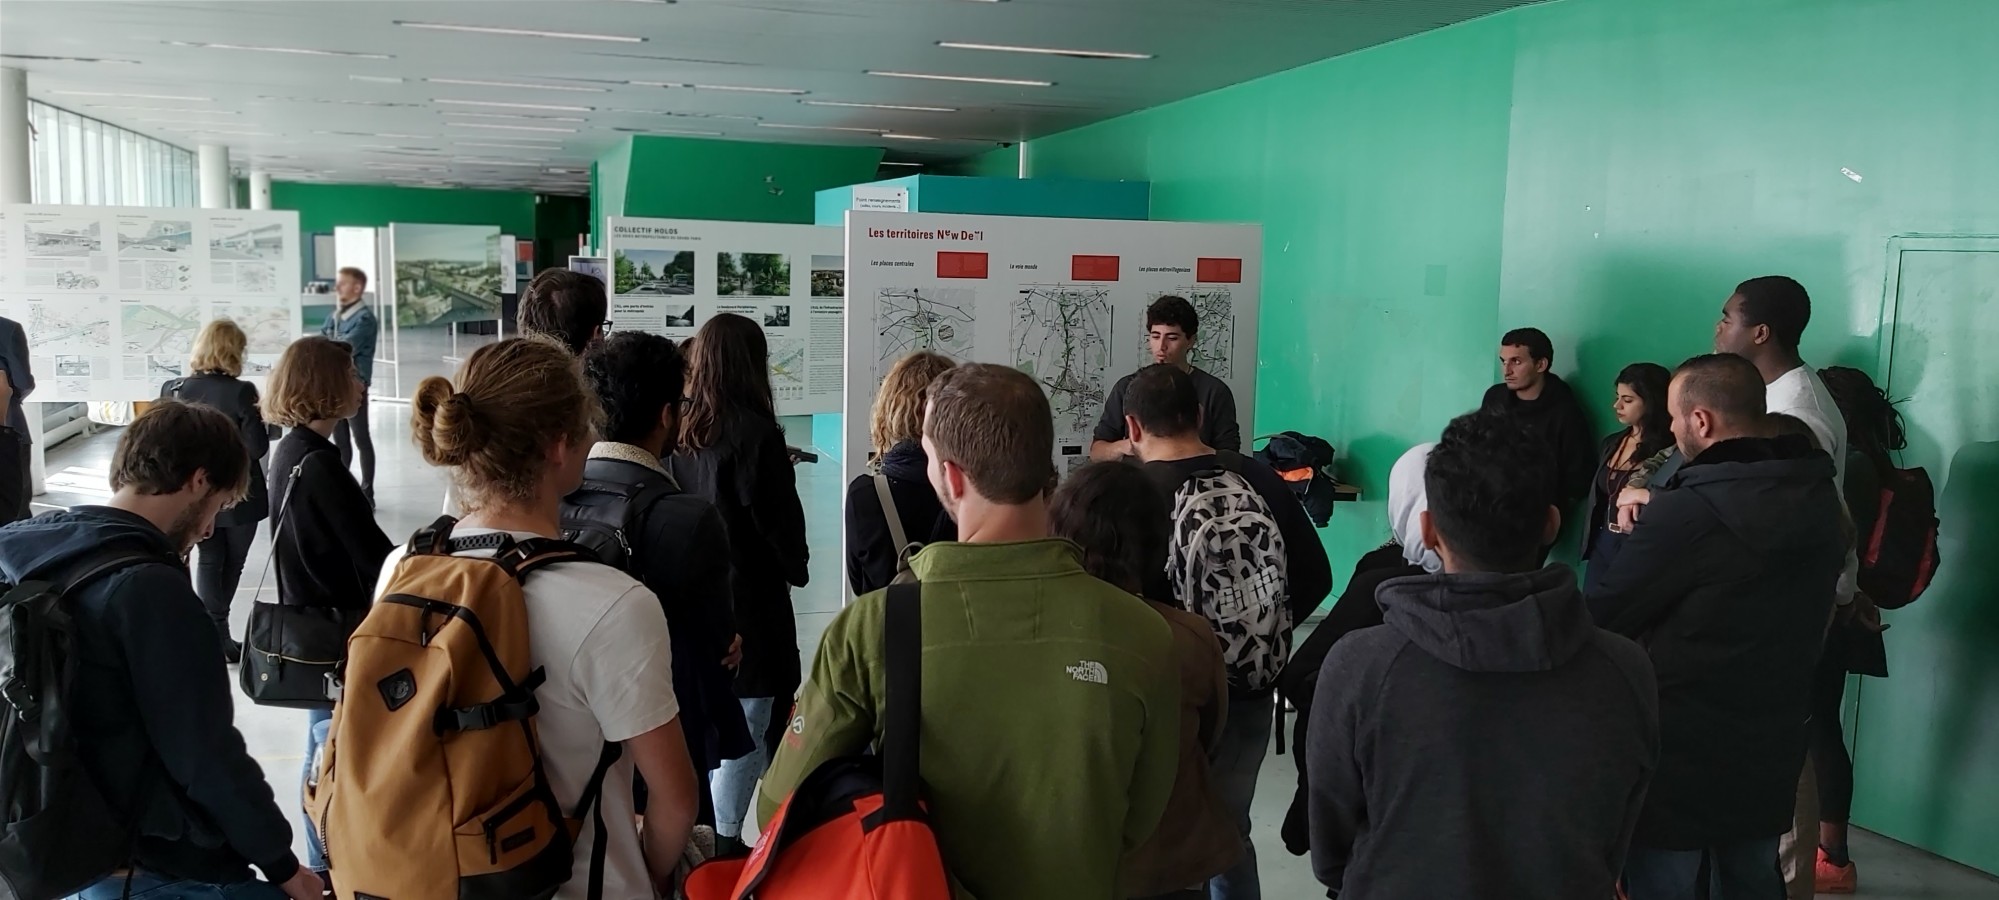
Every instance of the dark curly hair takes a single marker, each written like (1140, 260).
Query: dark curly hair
(1115, 513)
(1873, 424)
(1490, 485)
(635, 376)
(1649, 382)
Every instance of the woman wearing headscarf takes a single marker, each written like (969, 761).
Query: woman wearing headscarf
(1404, 555)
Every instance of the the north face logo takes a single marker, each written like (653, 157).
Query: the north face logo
(1090, 671)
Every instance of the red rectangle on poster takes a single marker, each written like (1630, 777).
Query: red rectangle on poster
(954, 264)
(1093, 268)
(1218, 271)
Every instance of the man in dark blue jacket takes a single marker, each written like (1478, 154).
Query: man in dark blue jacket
(153, 715)
(14, 458)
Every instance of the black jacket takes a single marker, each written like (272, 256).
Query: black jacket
(1307, 572)
(237, 399)
(154, 722)
(871, 552)
(748, 477)
(1556, 419)
(328, 549)
(1489, 717)
(682, 553)
(1728, 581)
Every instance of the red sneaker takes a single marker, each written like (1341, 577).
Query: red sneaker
(1833, 879)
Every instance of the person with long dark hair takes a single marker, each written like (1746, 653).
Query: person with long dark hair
(1648, 428)
(732, 453)
(1853, 645)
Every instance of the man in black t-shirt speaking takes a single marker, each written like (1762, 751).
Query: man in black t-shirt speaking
(1170, 327)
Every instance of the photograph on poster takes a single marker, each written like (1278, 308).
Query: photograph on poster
(829, 276)
(777, 317)
(155, 238)
(248, 242)
(446, 273)
(680, 316)
(654, 271)
(752, 275)
(161, 328)
(594, 266)
(64, 237)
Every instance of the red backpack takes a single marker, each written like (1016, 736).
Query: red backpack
(1898, 556)
(855, 828)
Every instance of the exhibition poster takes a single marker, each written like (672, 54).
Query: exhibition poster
(670, 275)
(112, 297)
(1063, 300)
(445, 274)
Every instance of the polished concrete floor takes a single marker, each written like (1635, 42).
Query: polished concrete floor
(411, 494)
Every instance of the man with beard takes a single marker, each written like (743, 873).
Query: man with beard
(1542, 403)
(152, 719)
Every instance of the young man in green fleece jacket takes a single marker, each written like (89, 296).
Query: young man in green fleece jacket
(1050, 698)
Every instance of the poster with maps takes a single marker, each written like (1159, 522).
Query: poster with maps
(112, 298)
(1062, 300)
(669, 276)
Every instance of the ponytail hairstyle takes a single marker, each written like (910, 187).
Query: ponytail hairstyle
(1873, 424)
(513, 400)
(730, 376)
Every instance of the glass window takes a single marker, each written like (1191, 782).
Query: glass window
(77, 159)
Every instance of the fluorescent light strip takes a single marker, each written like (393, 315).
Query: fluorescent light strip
(935, 109)
(492, 104)
(524, 32)
(683, 115)
(520, 84)
(552, 145)
(376, 79)
(471, 115)
(162, 109)
(296, 51)
(907, 137)
(886, 162)
(874, 131)
(375, 134)
(133, 96)
(228, 133)
(746, 89)
(409, 166)
(1045, 51)
(967, 79)
(509, 127)
(496, 162)
(681, 131)
(30, 57)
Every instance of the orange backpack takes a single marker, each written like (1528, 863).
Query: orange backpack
(430, 785)
(855, 828)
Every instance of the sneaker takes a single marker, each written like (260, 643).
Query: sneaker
(1831, 879)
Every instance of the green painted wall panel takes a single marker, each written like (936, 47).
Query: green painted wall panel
(321, 207)
(692, 178)
(1607, 170)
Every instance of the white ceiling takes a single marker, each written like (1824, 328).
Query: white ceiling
(344, 117)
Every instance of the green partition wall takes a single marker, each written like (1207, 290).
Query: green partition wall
(732, 181)
(1607, 170)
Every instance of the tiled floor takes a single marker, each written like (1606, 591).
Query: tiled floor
(411, 495)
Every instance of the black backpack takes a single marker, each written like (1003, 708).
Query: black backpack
(605, 515)
(58, 832)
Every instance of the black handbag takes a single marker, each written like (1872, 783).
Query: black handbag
(292, 654)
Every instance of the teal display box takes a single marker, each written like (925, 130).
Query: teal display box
(1061, 198)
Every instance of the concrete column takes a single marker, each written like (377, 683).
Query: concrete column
(213, 176)
(17, 180)
(260, 189)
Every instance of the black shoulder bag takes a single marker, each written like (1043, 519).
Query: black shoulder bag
(292, 654)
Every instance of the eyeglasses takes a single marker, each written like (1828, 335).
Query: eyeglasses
(607, 326)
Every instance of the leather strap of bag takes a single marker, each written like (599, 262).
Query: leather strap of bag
(896, 534)
(902, 627)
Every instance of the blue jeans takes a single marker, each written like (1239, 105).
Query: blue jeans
(1740, 870)
(734, 783)
(146, 886)
(1245, 741)
(317, 723)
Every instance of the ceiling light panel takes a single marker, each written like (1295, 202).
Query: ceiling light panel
(125, 96)
(935, 109)
(376, 79)
(1044, 51)
(747, 89)
(297, 51)
(496, 127)
(520, 85)
(907, 137)
(874, 131)
(163, 109)
(476, 115)
(491, 104)
(30, 57)
(551, 145)
(966, 79)
(525, 32)
(679, 131)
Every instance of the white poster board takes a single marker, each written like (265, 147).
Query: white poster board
(671, 275)
(1062, 299)
(112, 297)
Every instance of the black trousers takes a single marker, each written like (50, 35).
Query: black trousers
(218, 569)
(352, 435)
(1830, 762)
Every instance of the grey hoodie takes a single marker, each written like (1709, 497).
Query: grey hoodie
(1487, 741)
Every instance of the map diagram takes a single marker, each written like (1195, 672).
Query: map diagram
(1061, 337)
(155, 275)
(160, 330)
(73, 327)
(270, 328)
(1214, 346)
(912, 319)
(787, 367)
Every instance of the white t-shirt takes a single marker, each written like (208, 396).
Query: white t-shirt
(1801, 393)
(601, 638)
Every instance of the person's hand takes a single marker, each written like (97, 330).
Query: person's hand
(1863, 612)
(735, 657)
(305, 884)
(1630, 502)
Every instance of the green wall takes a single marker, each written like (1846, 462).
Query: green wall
(736, 181)
(323, 206)
(1607, 170)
